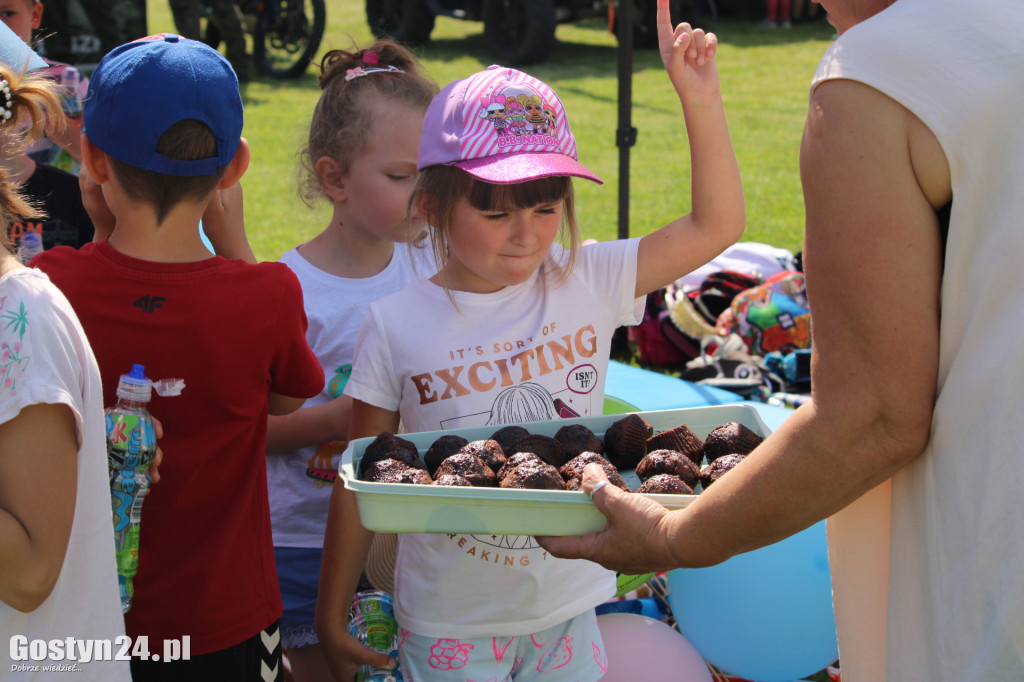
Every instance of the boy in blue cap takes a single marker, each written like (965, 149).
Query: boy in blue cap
(162, 133)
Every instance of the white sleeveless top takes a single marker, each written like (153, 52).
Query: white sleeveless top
(956, 553)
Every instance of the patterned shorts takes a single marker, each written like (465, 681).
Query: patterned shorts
(568, 652)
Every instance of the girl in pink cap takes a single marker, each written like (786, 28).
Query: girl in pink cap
(511, 306)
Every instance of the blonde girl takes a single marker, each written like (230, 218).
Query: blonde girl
(360, 158)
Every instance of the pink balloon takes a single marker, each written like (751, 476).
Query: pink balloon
(640, 648)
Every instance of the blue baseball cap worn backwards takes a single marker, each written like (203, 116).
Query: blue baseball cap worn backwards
(142, 88)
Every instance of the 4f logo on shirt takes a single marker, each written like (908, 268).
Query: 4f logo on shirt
(150, 303)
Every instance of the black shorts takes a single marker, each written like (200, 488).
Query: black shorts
(257, 659)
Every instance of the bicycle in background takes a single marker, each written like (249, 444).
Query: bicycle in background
(286, 34)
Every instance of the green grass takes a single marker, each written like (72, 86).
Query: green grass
(765, 75)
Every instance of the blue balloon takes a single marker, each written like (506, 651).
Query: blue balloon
(765, 615)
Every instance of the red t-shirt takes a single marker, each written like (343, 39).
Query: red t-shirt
(233, 331)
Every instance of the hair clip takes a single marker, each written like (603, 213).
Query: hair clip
(5, 110)
(371, 58)
(359, 72)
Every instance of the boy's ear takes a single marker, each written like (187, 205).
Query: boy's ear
(37, 15)
(331, 178)
(95, 160)
(237, 166)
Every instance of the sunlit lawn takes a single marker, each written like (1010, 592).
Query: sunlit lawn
(765, 74)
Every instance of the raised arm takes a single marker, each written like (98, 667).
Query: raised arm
(346, 546)
(873, 178)
(224, 224)
(717, 217)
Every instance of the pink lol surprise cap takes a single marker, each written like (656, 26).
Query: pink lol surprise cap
(500, 125)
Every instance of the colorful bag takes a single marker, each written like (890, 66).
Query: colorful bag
(676, 321)
(774, 316)
(654, 346)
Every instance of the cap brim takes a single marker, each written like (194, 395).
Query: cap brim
(523, 166)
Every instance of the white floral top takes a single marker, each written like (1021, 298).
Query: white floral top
(45, 358)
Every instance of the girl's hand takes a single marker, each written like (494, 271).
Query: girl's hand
(347, 654)
(688, 54)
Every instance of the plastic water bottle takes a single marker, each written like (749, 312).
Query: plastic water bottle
(131, 446)
(372, 622)
(29, 246)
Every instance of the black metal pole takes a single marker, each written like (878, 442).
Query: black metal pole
(626, 133)
(625, 138)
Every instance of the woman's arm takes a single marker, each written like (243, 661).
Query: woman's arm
(38, 484)
(346, 546)
(873, 261)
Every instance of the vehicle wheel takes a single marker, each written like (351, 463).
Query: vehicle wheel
(287, 36)
(519, 32)
(405, 21)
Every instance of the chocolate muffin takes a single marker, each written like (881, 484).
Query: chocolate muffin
(488, 450)
(730, 438)
(718, 468)
(384, 445)
(545, 447)
(507, 435)
(413, 475)
(681, 439)
(402, 455)
(625, 441)
(577, 438)
(572, 471)
(668, 462)
(442, 448)
(470, 467)
(665, 483)
(389, 470)
(534, 475)
(515, 460)
(452, 479)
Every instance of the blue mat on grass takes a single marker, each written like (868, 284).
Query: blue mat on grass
(646, 391)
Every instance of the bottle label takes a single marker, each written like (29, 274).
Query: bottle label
(131, 446)
(373, 620)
